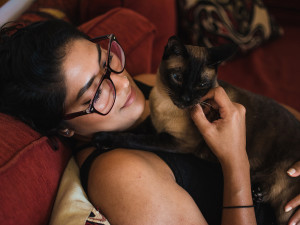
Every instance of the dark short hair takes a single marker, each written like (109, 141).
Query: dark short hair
(32, 86)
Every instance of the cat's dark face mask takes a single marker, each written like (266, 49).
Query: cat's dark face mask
(189, 72)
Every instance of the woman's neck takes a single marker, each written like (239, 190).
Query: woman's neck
(144, 115)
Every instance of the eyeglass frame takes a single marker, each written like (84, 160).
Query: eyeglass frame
(109, 70)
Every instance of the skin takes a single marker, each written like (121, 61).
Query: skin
(80, 66)
(294, 171)
(226, 137)
(137, 187)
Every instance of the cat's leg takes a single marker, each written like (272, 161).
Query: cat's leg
(291, 189)
(279, 189)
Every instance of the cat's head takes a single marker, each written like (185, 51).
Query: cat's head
(187, 72)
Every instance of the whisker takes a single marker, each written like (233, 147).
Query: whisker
(168, 91)
(214, 112)
(209, 105)
(206, 104)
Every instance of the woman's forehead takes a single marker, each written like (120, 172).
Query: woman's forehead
(80, 65)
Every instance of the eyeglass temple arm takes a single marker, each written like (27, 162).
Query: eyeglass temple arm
(73, 115)
(101, 37)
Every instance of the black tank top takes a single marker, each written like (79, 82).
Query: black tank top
(203, 180)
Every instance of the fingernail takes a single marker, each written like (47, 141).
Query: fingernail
(291, 171)
(288, 209)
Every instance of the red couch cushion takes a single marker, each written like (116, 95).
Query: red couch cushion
(286, 12)
(162, 13)
(30, 172)
(271, 70)
(134, 32)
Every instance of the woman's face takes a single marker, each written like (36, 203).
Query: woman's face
(83, 69)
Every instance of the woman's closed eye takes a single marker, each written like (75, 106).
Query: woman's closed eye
(110, 57)
(87, 103)
(104, 64)
(95, 98)
(98, 93)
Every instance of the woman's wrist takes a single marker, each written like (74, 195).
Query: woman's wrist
(238, 161)
(237, 182)
(237, 198)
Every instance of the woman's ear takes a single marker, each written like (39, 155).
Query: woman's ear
(66, 132)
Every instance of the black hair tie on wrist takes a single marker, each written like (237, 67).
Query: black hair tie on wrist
(238, 206)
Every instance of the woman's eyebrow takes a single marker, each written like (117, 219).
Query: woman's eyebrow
(99, 53)
(85, 87)
(91, 81)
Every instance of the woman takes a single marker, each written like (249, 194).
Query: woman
(57, 81)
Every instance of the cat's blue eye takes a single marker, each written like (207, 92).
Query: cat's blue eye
(177, 77)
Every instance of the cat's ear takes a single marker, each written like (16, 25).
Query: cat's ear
(217, 55)
(174, 47)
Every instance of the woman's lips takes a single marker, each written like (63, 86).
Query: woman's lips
(131, 97)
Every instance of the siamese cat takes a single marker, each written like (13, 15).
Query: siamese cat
(186, 74)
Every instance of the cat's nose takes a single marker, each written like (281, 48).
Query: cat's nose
(186, 98)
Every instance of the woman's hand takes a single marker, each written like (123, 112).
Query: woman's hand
(226, 136)
(294, 171)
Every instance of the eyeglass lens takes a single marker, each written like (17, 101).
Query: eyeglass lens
(105, 95)
(116, 59)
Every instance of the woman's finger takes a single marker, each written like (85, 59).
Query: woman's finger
(199, 118)
(295, 202)
(295, 219)
(294, 171)
(219, 95)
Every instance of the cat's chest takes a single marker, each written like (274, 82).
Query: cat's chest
(166, 117)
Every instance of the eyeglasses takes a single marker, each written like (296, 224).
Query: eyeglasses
(105, 95)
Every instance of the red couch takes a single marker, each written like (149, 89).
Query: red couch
(272, 69)
(30, 170)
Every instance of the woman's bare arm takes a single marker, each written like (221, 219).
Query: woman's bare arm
(226, 137)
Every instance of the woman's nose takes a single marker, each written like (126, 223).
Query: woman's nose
(120, 81)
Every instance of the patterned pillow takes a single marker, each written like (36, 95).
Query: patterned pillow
(246, 23)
